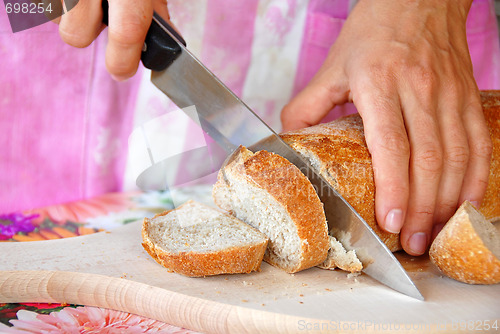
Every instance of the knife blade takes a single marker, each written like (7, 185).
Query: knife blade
(230, 122)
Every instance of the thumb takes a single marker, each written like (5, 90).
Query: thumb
(314, 102)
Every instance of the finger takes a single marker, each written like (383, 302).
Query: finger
(314, 102)
(426, 164)
(480, 146)
(161, 8)
(387, 141)
(129, 21)
(82, 24)
(455, 159)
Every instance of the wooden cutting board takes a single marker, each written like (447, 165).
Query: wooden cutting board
(111, 270)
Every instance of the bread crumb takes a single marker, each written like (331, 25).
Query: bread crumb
(304, 284)
(262, 304)
(247, 283)
(244, 300)
(353, 275)
(301, 302)
(301, 295)
(328, 289)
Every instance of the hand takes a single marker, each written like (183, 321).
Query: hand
(406, 67)
(129, 21)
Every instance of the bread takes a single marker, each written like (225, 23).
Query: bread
(196, 240)
(338, 151)
(268, 192)
(338, 257)
(468, 248)
(490, 206)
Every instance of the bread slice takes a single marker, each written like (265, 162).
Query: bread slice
(268, 192)
(468, 248)
(338, 151)
(338, 257)
(197, 240)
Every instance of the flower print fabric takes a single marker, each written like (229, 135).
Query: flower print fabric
(87, 320)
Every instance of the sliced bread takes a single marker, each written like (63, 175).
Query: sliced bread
(468, 248)
(197, 240)
(339, 257)
(268, 192)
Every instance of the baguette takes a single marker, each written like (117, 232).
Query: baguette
(268, 192)
(468, 248)
(196, 240)
(338, 151)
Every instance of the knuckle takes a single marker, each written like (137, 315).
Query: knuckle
(429, 159)
(129, 32)
(457, 157)
(483, 147)
(423, 76)
(393, 141)
(424, 214)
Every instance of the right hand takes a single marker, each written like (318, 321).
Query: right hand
(129, 21)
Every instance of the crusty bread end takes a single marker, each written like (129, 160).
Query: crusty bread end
(468, 248)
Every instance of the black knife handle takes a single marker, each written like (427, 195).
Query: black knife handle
(160, 50)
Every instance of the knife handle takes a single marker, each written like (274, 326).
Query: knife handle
(160, 49)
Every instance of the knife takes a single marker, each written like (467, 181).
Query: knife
(231, 123)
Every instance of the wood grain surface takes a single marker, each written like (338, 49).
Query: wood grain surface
(111, 270)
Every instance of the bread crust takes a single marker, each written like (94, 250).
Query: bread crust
(234, 260)
(490, 206)
(459, 252)
(288, 186)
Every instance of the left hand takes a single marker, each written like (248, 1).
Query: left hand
(406, 67)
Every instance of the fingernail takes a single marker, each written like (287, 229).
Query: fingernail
(394, 221)
(417, 243)
(119, 78)
(475, 203)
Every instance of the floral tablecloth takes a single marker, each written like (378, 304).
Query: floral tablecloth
(80, 218)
